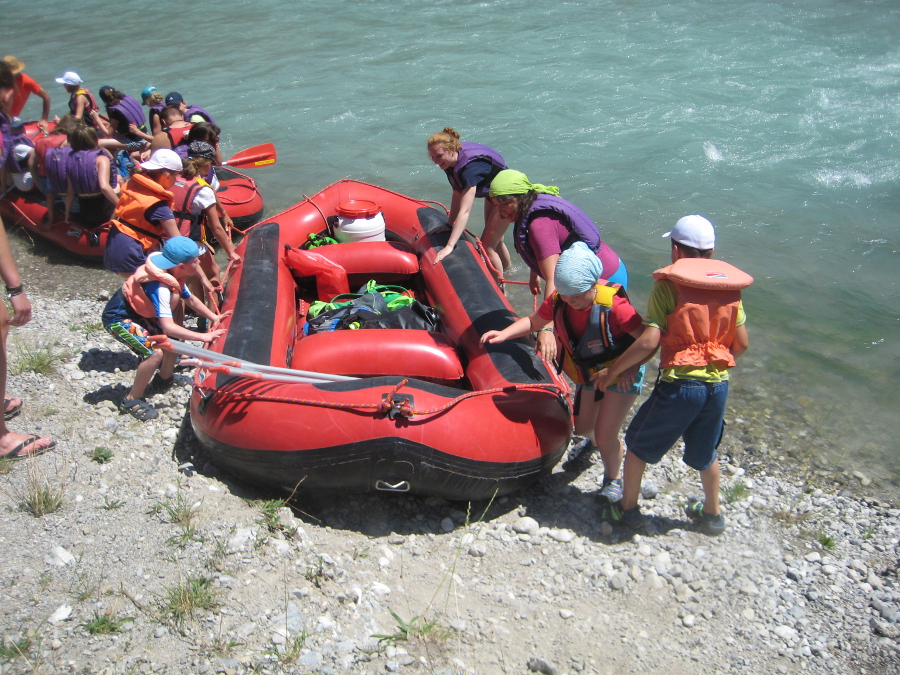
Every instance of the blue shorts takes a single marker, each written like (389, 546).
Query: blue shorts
(636, 387)
(687, 409)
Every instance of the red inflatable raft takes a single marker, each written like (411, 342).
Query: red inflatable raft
(428, 412)
(238, 194)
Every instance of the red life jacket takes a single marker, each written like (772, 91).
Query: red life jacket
(184, 190)
(701, 329)
(178, 135)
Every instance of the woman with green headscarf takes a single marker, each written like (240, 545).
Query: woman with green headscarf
(545, 226)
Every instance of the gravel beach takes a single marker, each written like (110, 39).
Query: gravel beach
(156, 562)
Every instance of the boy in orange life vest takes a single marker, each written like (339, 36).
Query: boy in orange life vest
(695, 314)
(146, 305)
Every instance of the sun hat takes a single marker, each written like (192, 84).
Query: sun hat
(14, 64)
(511, 182)
(147, 92)
(163, 159)
(694, 231)
(577, 270)
(201, 149)
(175, 251)
(69, 78)
(173, 97)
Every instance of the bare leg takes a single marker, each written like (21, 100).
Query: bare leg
(586, 419)
(492, 238)
(634, 473)
(611, 412)
(144, 374)
(710, 480)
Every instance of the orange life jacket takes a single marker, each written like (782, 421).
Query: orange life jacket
(134, 293)
(177, 135)
(701, 329)
(139, 194)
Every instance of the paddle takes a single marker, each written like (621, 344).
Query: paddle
(258, 155)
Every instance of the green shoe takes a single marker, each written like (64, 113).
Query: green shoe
(709, 523)
(614, 514)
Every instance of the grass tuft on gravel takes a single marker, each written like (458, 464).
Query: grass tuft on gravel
(193, 595)
(41, 358)
(43, 492)
(105, 624)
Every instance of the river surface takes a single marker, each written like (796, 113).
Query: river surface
(778, 120)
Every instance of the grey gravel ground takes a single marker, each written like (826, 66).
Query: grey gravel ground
(190, 571)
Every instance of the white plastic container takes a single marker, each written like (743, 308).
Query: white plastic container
(359, 220)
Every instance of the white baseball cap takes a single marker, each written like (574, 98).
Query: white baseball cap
(694, 231)
(70, 79)
(163, 159)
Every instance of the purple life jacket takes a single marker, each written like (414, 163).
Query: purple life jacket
(5, 139)
(82, 171)
(56, 162)
(182, 149)
(472, 151)
(12, 164)
(132, 111)
(580, 226)
(197, 110)
(154, 111)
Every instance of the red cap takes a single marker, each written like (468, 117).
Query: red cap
(358, 208)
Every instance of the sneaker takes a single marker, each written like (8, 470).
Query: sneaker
(580, 448)
(615, 515)
(611, 490)
(709, 523)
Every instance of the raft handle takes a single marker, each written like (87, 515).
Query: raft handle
(402, 486)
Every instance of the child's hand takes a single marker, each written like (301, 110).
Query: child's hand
(601, 379)
(219, 317)
(212, 335)
(546, 345)
(534, 283)
(626, 379)
(492, 336)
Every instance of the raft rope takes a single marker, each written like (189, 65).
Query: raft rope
(388, 405)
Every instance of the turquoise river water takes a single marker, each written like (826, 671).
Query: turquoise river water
(776, 119)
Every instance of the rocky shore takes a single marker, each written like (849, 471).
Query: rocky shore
(153, 561)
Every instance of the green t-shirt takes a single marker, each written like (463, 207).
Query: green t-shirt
(663, 300)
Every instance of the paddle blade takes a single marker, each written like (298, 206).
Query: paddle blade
(258, 155)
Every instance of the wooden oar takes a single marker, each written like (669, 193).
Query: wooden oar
(251, 158)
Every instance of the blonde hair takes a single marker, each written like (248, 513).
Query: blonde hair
(448, 138)
(155, 98)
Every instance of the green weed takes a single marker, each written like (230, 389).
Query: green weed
(189, 597)
(825, 540)
(110, 504)
(416, 628)
(41, 358)
(11, 650)
(105, 624)
(181, 512)
(6, 465)
(734, 492)
(101, 455)
(290, 651)
(43, 493)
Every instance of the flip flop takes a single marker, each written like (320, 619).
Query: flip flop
(16, 452)
(10, 411)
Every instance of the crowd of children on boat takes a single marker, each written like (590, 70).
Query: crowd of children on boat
(586, 322)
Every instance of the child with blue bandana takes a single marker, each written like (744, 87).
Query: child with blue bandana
(594, 323)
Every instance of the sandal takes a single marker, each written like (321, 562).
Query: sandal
(32, 440)
(10, 410)
(139, 409)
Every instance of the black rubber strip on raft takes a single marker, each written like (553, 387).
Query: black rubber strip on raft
(514, 359)
(376, 465)
(252, 326)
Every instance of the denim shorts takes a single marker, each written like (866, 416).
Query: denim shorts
(689, 409)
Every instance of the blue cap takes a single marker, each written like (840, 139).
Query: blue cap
(147, 92)
(173, 97)
(176, 251)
